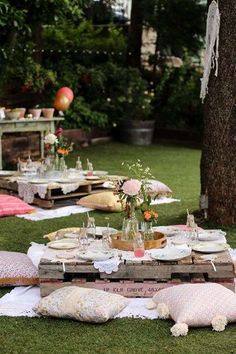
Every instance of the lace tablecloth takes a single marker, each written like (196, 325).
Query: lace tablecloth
(27, 190)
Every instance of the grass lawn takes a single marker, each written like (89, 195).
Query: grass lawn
(179, 168)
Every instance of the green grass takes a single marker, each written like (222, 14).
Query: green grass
(179, 168)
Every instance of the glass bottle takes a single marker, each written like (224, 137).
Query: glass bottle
(78, 165)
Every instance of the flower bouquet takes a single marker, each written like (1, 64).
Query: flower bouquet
(58, 146)
(134, 193)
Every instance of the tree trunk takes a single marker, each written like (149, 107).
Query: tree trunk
(218, 162)
(135, 34)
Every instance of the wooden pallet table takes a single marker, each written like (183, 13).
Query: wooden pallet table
(54, 192)
(137, 279)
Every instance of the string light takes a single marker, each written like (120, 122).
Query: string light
(83, 51)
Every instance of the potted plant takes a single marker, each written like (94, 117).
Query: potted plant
(137, 127)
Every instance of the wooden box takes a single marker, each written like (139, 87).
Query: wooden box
(137, 279)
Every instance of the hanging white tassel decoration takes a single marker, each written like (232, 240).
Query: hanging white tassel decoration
(212, 46)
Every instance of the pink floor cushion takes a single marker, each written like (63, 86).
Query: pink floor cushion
(158, 189)
(17, 269)
(196, 305)
(10, 205)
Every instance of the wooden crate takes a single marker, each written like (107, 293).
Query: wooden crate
(142, 279)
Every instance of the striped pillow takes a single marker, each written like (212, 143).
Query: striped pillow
(10, 205)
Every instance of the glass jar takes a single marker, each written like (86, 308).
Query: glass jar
(147, 230)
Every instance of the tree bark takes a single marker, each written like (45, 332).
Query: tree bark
(135, 34)
(218, 162)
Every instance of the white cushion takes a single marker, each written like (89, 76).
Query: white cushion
(198, 305)
(87, 305)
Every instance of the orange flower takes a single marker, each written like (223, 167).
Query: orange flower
(147, 215)
(63, 152)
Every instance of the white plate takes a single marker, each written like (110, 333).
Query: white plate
(63, 180)
(100, 229)
(109, 185)
(211, 235)
(169, 230)
(38, 181)
(170, 254)
(210, 247)
(92, 178)
(95, 255)
(97, 173)
(6, 173)
(63, 244)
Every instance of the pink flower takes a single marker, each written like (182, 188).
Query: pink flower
(131, 187)
(59, 131)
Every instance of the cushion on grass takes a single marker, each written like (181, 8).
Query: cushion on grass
(17, 269)
(86, 305)
(197, 305)
(158, 189)
(10, 205)
(106, 201)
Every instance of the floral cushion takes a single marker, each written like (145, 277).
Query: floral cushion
(197, 305)
(106, 201)
(17, 269)
(157, 188)
(87, 305)
(10, 205)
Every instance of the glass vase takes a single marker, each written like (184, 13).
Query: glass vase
(130, 227)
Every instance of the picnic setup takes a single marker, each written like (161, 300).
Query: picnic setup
(117, 177)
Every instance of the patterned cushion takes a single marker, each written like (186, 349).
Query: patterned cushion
(17, 269)
(87, 305)
(106, 201)
(12, 206)
(157, 188)
(198, 304)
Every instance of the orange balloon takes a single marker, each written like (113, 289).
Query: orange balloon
(66, 91)
(61, 103)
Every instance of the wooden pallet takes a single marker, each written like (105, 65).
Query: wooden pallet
(54, 193)
(134, 279)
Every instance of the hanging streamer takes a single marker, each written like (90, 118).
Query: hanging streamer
(212, 46)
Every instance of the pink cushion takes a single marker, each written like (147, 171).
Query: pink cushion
(17, 269)
(198, 304)
(157, 188)
(10, 205)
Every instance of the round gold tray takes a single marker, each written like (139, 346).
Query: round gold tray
(159, 241)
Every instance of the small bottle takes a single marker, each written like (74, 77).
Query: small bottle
(78, 165)
(89, 168)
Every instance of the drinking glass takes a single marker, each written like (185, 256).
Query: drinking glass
(138, 245)
(83, 238)
(91, 228)
(106, 239)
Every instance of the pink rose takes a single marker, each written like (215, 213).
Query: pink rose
(131, 187)
(59, 131)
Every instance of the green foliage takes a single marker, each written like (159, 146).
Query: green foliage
(81, 116)
(177, 100)
(180, 24)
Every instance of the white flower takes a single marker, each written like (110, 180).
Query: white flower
(51, 139)
(218, 323)
(179, 329)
